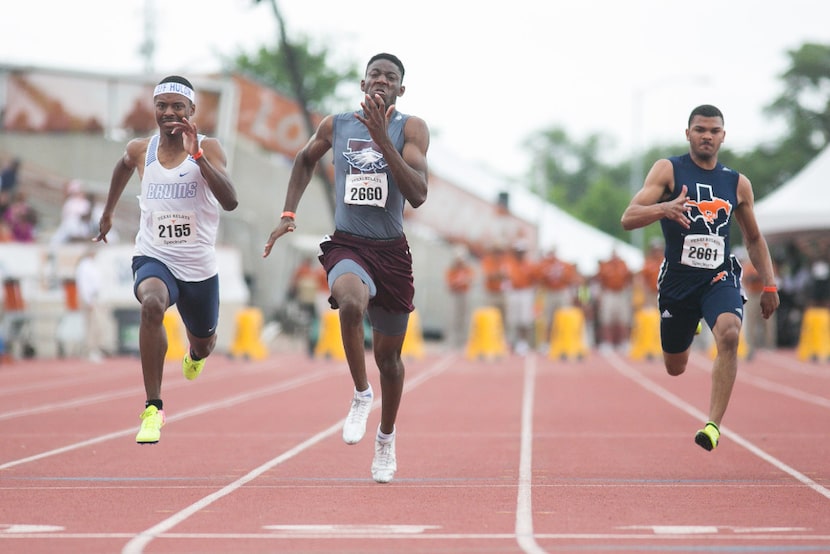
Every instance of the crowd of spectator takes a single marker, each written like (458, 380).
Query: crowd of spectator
(20, 221)
(528, 289)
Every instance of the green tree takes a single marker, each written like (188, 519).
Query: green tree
(305, 74)
(804, 105)
(571, 174)
(805, 102)
(562, 167)
(601, 206)
(320, 82)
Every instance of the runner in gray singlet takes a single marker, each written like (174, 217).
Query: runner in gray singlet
(379, 165)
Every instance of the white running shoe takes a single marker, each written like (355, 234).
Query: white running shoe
(384, 465)
(355, 425)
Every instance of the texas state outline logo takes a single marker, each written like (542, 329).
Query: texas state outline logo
(708, 208)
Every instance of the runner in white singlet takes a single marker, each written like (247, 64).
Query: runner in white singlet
(184, 188)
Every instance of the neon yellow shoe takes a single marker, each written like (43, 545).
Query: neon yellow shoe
(699, 328)
(190, 368)
(152, 420)
(708, 437)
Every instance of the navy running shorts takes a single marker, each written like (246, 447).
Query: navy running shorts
(679, 318)
(197, 302)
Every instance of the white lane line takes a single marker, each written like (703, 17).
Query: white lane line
(59, 381)
(324, 530)
(678, 529)
(74, 403)
(677, 402)
(17, 528)
(710, 529)
(792, 363)
(225, 403)
(524, 501)
(88, 400)
(725, 537)
(142, 539)
(786, 390)
(766, 384)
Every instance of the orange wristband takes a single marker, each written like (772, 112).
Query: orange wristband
(198, 154)
(286, 213)
(771, 288)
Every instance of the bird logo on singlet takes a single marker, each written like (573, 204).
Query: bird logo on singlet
(363, 157)
(710, 209)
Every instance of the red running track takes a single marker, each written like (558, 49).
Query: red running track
(525, 455)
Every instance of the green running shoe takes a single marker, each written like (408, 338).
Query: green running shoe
(192, 369)
(152, 420)
(708, 437)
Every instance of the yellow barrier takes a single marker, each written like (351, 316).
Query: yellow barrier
(567, 334)
(330, 342)
(814, 340)
(645, 335)
(176, 343)
(486, 339)
(247, 342)
(413, 342)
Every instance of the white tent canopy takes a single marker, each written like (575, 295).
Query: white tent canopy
(801, 205)
(571, 239)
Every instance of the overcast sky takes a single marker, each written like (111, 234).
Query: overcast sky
(484, 75)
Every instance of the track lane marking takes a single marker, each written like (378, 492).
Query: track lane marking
(325, 530)
(628, 371)
(225, 403)
(109, 395)
(524, 500)
(58, 383)
(737, 537)
(74, 403)
(143, 538)
(768, 385)
(792, 363)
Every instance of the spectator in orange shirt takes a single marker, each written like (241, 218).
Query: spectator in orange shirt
(519, 296)
(459, 277)
(310, 290)
(646, 278)
(305, 283)
(558, 280)
(494, 268)
(614, 315)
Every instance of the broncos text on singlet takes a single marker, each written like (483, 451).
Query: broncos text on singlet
(368, 201)
(696, 255)
(179, 217)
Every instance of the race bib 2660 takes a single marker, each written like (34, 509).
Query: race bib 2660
(366, 189)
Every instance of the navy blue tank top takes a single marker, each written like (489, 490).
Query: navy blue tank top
(699, 253)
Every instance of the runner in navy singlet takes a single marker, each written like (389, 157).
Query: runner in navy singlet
(694, 198)
(379, 165)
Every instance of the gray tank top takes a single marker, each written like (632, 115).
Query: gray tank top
(368, 202)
